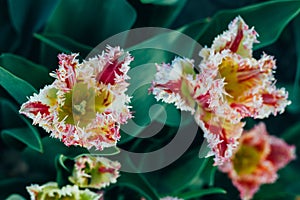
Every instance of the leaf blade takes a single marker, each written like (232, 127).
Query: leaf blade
(16, 87)
(25, 135)
(286, 10)
(20, 66)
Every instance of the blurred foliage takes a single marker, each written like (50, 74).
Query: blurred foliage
(33, 32)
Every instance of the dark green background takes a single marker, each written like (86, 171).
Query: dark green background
(33, 32)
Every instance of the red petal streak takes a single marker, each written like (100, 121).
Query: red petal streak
(35, 108)
(109, 72)
(170, 87)
(203, 100)
(106, 170)
(242, 109)
(217, 130)
(237, 40)
(270, 99)
(67, 62)
(246, 74)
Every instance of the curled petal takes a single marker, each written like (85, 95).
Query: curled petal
(51, 190)
(172, 84)
(238, 38)
(222, 135)
(33, 108)
(281, 153)
(94, 172)
(66, 72)
(116, 66)
(274, 101)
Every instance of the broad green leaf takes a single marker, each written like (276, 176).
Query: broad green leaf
(201, 192)
(51, 43)
(78, 24)
(287, 186)
(268, 25)
(15, 197)
(163, 13)
(16, 87)
(19, 20)
(138, 183)
(147, 113)
(63, 43)
(30, 15)
(160, 2)
(292, 133)
(292, 136)
(9, 115)
(25, 135)
(194, 29)
(108, 18)
(18, 127)
(36, 75)
(173, 182)
(295, 93)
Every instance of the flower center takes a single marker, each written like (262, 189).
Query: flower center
(246, 160)
(228, 69)
(82, 103)
(81, 107)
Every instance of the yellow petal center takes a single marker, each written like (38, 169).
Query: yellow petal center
(246, 159)
(228, 69)
(82, 103)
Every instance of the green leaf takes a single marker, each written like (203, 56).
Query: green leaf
(19, 20)
(78, 24)
(173, 183)
(163, 47)
(212, 176)
(52, 43)
(108, 18)
(138, 183)
(16, 87)
(64, 166)
(18, 127)
(287, 186)
(200, 193)
(295, 93)
(160, 2)
(269, 28)
(194, 29)
(61, 159)
(15, 197)
(29, 15)
(163, 13)
(292, 136)
(25, 135)
(9, 115)
(36, 75)
(63, 43)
